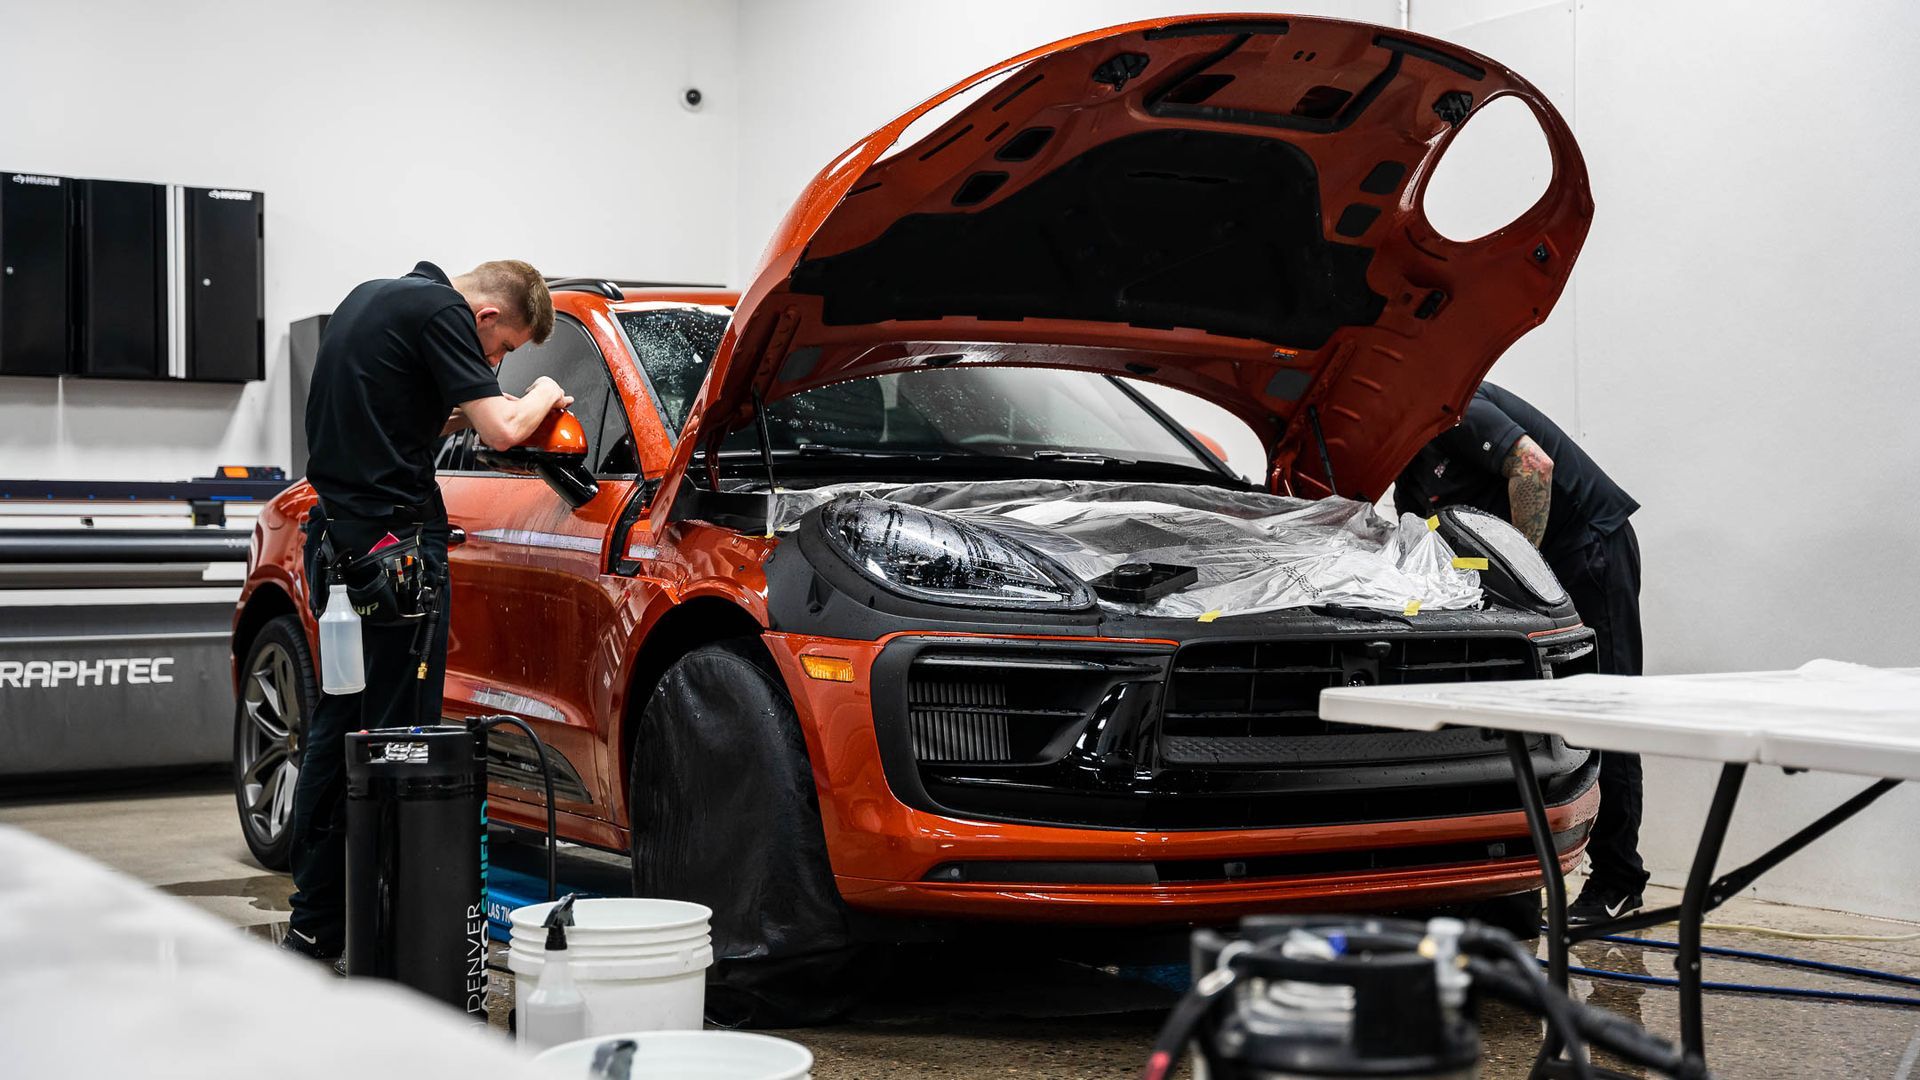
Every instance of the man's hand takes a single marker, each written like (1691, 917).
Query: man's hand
(545, 385)
(1529, 473)
(506, 421)
(456, 421)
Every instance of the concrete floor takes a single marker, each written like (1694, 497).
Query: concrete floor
(939, 1014)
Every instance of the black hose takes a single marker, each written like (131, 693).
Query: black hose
(1553, 1004)
(1614, 1034)
(1179, 1027)
(546, 777)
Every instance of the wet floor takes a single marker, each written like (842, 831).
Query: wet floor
(1020, 1013)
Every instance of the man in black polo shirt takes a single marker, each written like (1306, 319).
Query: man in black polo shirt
(403, 361)
(1507, 458)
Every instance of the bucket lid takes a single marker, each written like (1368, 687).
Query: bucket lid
(614, 913)
(693, 1055)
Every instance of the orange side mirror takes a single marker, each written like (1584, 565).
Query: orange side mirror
(556, 452)
(559, 434)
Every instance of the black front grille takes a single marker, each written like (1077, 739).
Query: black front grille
(1214, 735)
(960, 719)
(996, 707)
(1265, 689)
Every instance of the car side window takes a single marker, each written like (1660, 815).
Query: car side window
(571, 359)
(674, 347)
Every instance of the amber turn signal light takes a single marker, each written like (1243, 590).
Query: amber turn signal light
(827, 668)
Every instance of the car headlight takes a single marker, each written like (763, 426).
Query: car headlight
(932, 556)
(1501, 540)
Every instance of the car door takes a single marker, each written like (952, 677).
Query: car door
(531, 613)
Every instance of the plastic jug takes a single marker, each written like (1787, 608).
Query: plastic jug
(343, 670)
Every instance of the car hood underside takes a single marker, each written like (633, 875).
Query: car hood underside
(1251, 552)
(1229, 205)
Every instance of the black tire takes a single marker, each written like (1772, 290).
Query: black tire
(724, 813)
(270, 713)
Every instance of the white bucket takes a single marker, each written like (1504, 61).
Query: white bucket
(690, 1055)
(640, 964)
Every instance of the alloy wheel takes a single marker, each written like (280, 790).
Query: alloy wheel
(270, 746)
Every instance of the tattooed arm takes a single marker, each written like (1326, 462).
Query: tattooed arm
(1529, 473)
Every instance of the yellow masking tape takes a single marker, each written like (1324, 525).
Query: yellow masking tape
(1210, 616)
(1413, 607)
(1433, 522)
(1464, 563)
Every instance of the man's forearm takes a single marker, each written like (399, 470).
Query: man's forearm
(532, 409)
(1531, 496)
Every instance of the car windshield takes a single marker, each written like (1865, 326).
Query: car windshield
(981, 411)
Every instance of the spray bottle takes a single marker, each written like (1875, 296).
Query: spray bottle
(556, 1012)
(343, 670)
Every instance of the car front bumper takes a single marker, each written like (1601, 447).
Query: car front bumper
(893, 852)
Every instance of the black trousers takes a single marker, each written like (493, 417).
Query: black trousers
(1604, 581)
(395, 697)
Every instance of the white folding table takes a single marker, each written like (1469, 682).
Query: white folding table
(1824, 715)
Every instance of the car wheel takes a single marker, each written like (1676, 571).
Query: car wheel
(277, 696)
(723, 812)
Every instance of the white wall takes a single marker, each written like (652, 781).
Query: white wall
(382, 134)
(1731, 350)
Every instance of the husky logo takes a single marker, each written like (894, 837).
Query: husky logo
(37, 181)
(236, 196)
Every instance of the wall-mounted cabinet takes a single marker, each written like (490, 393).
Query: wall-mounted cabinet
(225, 284)
(121, 278)
(36, 268)
(113, 279)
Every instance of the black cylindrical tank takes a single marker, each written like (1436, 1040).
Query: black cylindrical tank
(1330, 997)
(417, 861)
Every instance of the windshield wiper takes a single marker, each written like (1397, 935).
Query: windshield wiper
(1078, 457)
(817, 451)
(1135, 466)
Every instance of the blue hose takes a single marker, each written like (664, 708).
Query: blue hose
(1747, 988)
(1773, 958)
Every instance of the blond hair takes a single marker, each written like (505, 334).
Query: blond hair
(519, 290)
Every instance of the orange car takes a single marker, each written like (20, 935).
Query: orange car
(881, 590)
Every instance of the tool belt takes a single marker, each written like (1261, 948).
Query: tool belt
(391, 586)
(394, 586)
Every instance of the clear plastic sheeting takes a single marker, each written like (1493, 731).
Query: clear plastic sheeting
(1253, 552)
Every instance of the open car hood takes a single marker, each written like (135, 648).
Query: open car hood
(1230, 205)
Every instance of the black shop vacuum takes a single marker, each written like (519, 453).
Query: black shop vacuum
(1333, 997)
(417, 857)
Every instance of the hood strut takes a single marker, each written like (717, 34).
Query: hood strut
(1319, 437)
(766, 453)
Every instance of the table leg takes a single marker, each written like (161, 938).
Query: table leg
(1695, 902)
(1535, 807)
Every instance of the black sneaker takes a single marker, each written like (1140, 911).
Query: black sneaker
(308, 946)
(1599, 903)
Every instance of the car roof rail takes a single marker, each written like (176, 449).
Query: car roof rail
(615, 289)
